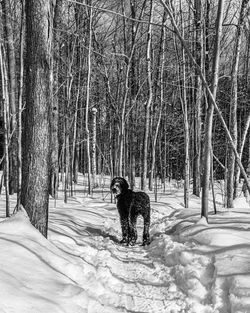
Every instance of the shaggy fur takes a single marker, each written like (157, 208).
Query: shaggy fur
(130, 205)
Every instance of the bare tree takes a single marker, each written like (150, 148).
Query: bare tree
(198, 98)
(159, 77)
(129, 60)
(54, 174)
(184, 105)
(88, 100)
(11, 71)
(93, 148)
(20, 106)
(209, 114)
(149, 100)
(5, 105)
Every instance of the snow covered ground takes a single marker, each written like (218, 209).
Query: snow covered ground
(190, 266)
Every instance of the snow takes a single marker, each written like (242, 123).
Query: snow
(190, 266)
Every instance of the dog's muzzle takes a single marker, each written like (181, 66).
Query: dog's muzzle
(114, 190)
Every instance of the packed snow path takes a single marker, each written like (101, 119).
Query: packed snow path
(118, 278)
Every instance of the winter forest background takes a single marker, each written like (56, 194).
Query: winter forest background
(149, 88)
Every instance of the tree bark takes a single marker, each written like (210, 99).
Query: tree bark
(36, 150)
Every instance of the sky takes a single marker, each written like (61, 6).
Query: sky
(190, 265)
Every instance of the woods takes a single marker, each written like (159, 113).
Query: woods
(151, 89)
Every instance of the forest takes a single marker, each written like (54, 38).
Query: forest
(156, 89)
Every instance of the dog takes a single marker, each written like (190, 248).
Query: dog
(130, 205)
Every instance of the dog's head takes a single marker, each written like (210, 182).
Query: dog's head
(118, 186)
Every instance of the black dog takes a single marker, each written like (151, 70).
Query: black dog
(130, 204)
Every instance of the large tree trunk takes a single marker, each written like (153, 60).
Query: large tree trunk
(35, 167)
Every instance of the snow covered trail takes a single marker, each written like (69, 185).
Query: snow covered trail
(191, 266)
(154, 279)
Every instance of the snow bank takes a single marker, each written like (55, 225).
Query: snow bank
(34, 273)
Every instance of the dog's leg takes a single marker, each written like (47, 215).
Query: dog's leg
(125, 229)
(146, 239)
(132, 230)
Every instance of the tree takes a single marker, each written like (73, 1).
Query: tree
(209, 114)
(149, 100)
(159, 78)
(198, 99)
(5, 105)
(88, 100)
(233, 106)
(93, 147)
(20, 105)
(36, 150)
(11, 70)
(54, 173)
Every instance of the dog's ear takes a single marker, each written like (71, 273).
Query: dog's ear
(112, 183)
(124, 184)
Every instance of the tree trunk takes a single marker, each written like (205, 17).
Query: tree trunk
(54, 173)
(209, 116)
(125, 97)
(183, 98)
(241, 147)
(5, 105)
(134, 90)
(88, 100)
(233, 107)
(20, 106)
(149, 101)
(93, 150)
(36, 150)
(198, 99)
(11, 70)
(159, 78)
